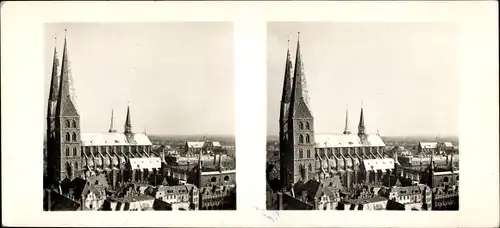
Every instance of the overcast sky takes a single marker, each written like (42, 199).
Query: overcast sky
(404, 73)
(178, 77)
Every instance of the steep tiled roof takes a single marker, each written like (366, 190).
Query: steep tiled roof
(196, 145)
(346, 140)
(378, 164)
(114, 139)
(145, 163)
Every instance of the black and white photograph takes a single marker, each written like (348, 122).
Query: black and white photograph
(362, 116)
(307, 106)
(140, 117)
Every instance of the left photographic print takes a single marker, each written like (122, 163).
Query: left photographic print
(140, 117)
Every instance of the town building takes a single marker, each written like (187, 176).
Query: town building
(438, 147)
(374, 203)
(319, 195)
(205, 146)
(218, 197)
(179, 197)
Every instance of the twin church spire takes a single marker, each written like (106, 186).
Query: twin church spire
(60, 100)
(295, 90)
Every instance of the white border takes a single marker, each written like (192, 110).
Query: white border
(22, 107)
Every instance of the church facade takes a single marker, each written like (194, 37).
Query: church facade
(304, 155)
(121, 156)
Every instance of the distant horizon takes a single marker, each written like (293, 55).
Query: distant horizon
(415, 135)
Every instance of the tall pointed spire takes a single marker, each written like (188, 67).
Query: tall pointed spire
(297, 90)
(361, 126)
(112, 124)
(54, 83)
(287, 82)
(346, 129)
(64, 98)
(128, 122)
(299, 87)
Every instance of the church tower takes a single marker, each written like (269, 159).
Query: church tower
(51, 111)
(283, 121)
(67, 128)
(300, 154)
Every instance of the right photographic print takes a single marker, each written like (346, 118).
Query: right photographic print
(362, 116)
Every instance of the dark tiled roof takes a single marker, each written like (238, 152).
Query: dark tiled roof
(160, 205)
(128, 199)
(373, 199)
(62, 203)
(407, 190)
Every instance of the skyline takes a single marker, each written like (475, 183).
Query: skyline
(349, 64)
(149, 66)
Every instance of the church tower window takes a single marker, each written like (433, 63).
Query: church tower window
(74, 124)
(301, 139)
(301, 153)
(67, 151)
(310, 167)
(74, 137)
(308, 140)
(301, 126)
(308, 153)
(68, 138)
(68, 124)
(74, 151)
(307, 126)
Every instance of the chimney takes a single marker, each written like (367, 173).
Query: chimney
(215, 159)
(49, 199)
(220, 165)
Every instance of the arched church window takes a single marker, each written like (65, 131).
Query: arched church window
(74, 137)
(301, 153)
(68, 138)
(445, 179)
(310, 167)
(74, 151)
(301, 125)
(301, 139)
(69, 170)
(308, 139)
(74, 124)
(76, 165)
(68, 124)
(302, 172)
(308, 153)
(307, 126)
(67, 151)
